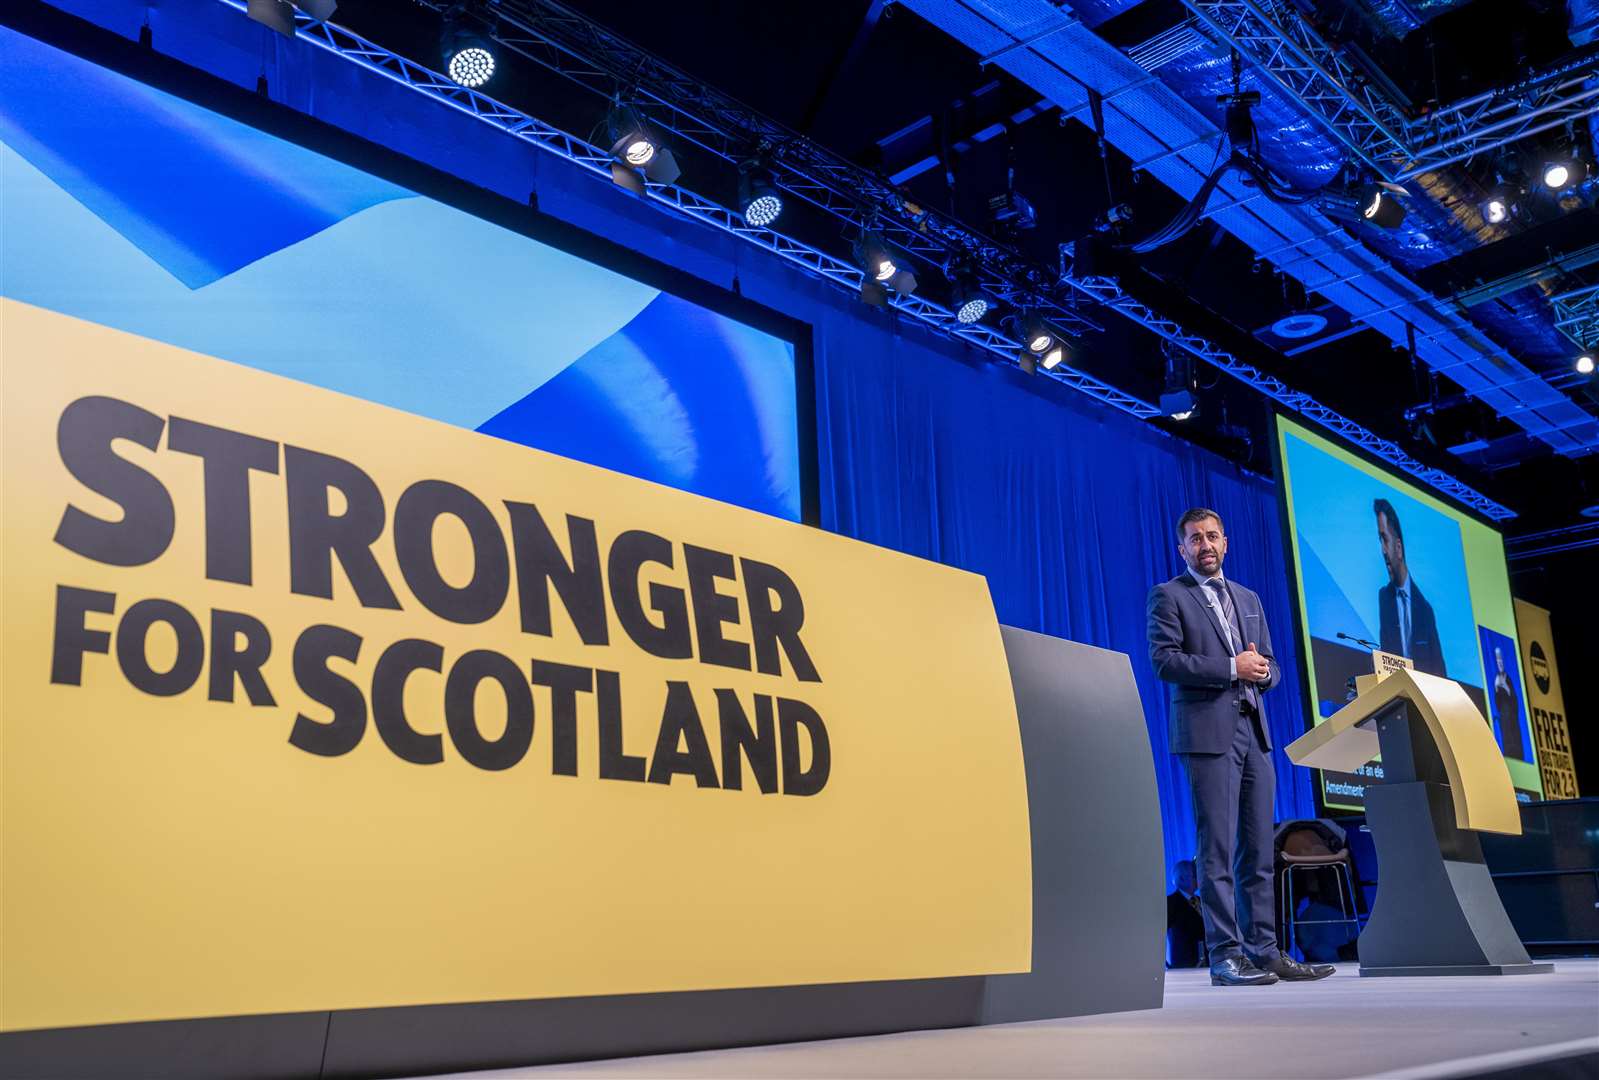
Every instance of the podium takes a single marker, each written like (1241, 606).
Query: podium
(1444, 781)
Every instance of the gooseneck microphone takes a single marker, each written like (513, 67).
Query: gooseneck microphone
(1358, 640)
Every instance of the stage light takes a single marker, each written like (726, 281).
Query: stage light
(1179, 404)
(1584, 365)
(1495, 211)
(884, 269)
(468, 57)
(1053, 358)
(1380, 205)
(1036, 334)
(637, 152)
(1556, 175)
(967, 297)
(758, 198)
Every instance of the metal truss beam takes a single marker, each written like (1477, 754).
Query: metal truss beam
(1360, 114)
(1060, 292)
(536, 133)
(1489, 121)
(1577, 315)
(572, 46)
(1108, 292)
(1292, 55)
(1552, 542)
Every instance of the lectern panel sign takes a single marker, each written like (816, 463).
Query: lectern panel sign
(311, 703)
(1385, 566)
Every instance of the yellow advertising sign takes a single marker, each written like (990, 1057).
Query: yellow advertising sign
(1541, 678)
(313, 704)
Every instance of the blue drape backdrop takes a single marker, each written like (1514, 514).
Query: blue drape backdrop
(1066, 506)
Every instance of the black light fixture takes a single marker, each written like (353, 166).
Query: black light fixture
(637, 151)
(1037, 336)
(468, 55)
(1178, 400)
(1560, 173)
(966, 296)
(1499, 205)
(883, 269)
(1380, 205)
(759, 199)
(1042, 344)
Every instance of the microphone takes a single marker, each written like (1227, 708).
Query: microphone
(1358, 640)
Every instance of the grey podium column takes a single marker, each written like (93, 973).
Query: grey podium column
(1099, 883)
(1437, 911)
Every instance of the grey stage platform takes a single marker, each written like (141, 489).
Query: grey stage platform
(1346, 1026)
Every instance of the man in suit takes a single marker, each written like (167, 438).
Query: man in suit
(1208, 638)
(1406, 624)
(1185, 929)
(1506, 709)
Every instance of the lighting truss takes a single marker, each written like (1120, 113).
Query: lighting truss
(1489, 121)
(571, 45)
(1108, 292)
(1577, 315)
(1553, 541)
(1051, 294)
(1291, 54)
(356, 49)
(1361, 115)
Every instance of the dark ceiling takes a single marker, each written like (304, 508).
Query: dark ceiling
(875, 83)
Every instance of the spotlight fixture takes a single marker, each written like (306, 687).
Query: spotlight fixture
(1496, 209)
(1042, 344)
(1178, 400)
(1584, 365)
(1038, 337)
(637, 152)
(468, 57)
(967, 297)
(758, 198)
(1380, 205)
(1558, 174)
(1178, 404)
(884, 269)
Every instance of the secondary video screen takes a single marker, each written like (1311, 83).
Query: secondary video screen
(1378, 560)
(143, 211)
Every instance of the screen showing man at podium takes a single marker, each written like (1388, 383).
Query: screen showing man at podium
(1383, 565)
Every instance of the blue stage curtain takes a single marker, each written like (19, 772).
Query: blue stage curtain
(1068, 510)
(1065, 505)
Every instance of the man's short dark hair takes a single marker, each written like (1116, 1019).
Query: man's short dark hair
(1198, 513)
(1180, 863)
(1384, 508)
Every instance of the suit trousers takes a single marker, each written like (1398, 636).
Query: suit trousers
(1233, 803)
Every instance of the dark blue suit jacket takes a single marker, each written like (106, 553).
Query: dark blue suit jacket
(1426, 651)
(1188, 648)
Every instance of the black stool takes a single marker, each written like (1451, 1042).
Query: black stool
(1338, 863)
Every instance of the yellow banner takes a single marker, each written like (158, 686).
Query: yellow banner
(312, 704)
(1542, 680)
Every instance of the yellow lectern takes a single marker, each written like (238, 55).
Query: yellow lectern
(1444, 781)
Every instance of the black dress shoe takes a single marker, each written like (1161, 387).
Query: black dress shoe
(1290, 970)
(1236, 971)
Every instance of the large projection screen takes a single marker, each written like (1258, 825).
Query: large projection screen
(191, 219)
(1378, 558)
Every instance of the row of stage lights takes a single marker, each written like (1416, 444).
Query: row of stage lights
(1381, 203)
(639, 154)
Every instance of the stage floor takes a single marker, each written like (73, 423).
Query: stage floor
(1345, 1026)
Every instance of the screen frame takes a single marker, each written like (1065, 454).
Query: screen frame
(1291, 559)
(109, 50)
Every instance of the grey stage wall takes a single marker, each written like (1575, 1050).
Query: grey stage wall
(1098, 940)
